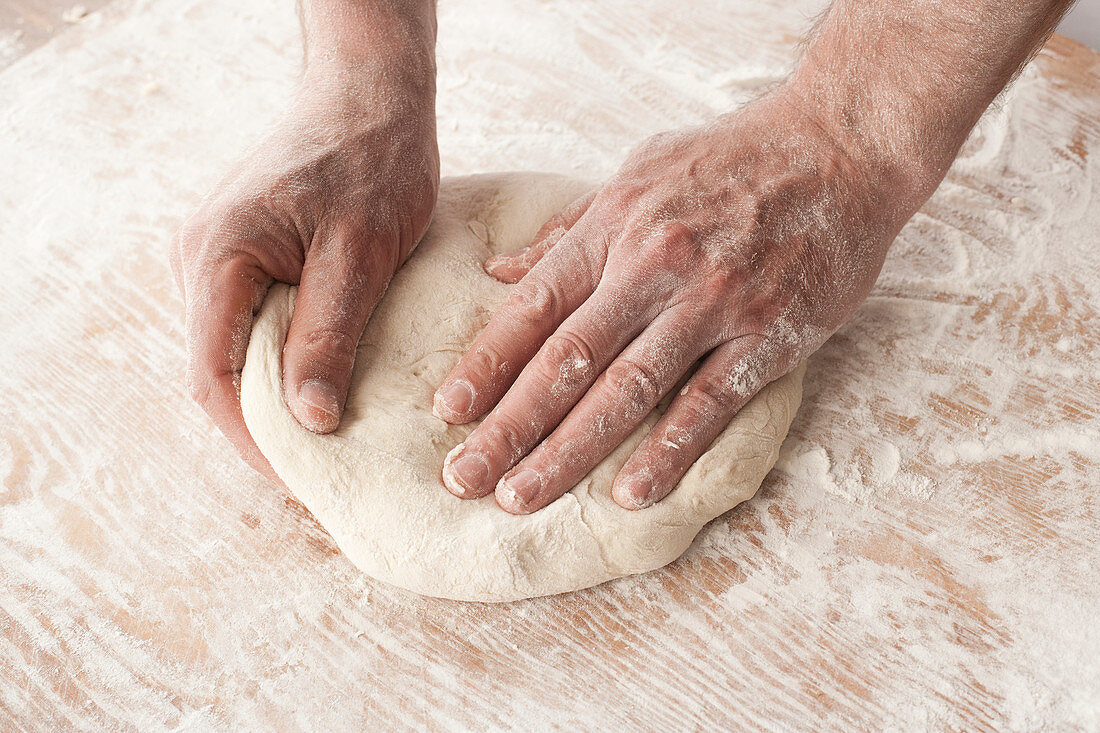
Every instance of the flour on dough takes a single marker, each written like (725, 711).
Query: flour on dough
(375, 483)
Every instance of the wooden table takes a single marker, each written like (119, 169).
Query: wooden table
(925, 555)
(27, 24)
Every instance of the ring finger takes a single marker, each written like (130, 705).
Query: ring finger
(617, 403)
(548, 387)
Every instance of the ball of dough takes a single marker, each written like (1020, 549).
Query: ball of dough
(375, 483)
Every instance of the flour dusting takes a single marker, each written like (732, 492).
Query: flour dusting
(926, 556)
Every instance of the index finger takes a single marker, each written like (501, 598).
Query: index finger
(550, 293)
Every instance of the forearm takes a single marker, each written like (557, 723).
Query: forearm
(371, 42)
(902, 83)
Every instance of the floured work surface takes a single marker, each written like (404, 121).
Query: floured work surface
(926, 551)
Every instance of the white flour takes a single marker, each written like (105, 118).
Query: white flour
(927, 554)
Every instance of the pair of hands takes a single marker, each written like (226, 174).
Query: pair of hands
(739, 246)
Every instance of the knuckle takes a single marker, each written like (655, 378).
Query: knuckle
(486, 361)
(565, 363)
(754, 207)
(623, 194)
(574, 211)
(202, 250)
(756, 316)
(201, 232)
(561, 220)
(568, 216)
(214, 234)
(668, 246)
(509, 437)
(330, 346)
(353, 248)
(707, 396)
(570, 349)
(533, 301)
(633, 381)
(676, 236)
(720, 282)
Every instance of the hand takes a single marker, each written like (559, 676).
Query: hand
(741, 246)
(333, 200)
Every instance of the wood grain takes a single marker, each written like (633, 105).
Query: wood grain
(926, 556)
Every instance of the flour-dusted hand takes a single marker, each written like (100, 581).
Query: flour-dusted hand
(742, 244)
(334, 199)
(739, 247)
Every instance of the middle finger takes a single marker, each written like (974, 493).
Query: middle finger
(548, 387)
(617, 403)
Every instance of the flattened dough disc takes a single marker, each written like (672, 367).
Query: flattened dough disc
(375, 483)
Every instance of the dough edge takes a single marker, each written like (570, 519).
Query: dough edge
(349, 482)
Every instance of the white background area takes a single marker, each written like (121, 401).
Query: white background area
(1083, 23)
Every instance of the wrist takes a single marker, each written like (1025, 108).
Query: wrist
(891, 159)
(901, 84)
(906, 151)
(371, 41)
(381, 67)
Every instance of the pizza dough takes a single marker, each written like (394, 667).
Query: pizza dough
(375, 483)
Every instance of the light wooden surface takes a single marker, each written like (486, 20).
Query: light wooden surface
(27, 24)
(926, 556)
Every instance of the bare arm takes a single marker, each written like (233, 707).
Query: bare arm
(369, 45)
(740, 246)
(902, 83)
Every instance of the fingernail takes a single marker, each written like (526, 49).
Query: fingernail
(634, 492)
(520, 490)
(466, 473)
(456, 399)
(320, 396)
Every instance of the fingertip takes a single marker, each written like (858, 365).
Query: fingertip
(452, 402)
(516, 494)
(464, 474)
(439, 410)
(450, 482)
(317, 407)
(633, 492)
(505, 269)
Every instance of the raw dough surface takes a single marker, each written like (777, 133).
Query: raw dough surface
(375, 483)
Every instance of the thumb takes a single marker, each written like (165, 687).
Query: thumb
(340, 285)
(510, 268)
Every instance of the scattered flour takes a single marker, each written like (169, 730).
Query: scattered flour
(11, 45)
(75, 14)
(935, 502)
